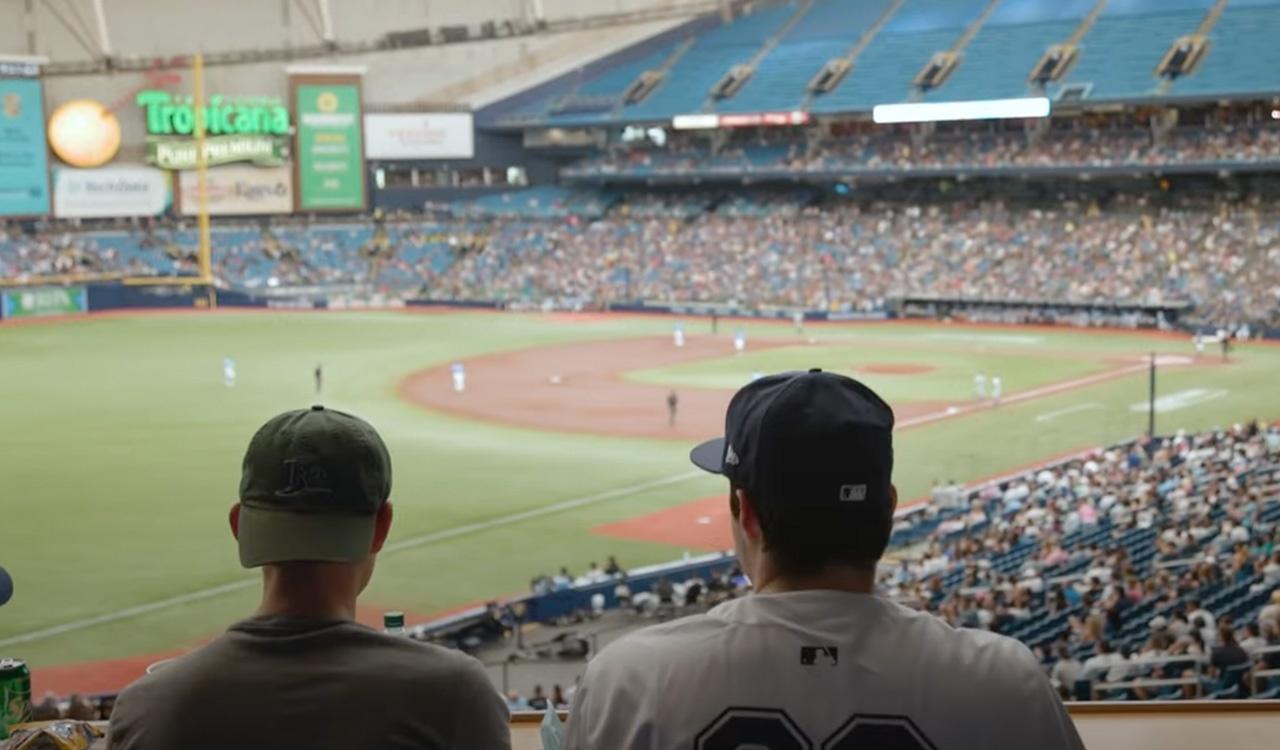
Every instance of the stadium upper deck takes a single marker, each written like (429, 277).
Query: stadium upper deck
(1116, 49)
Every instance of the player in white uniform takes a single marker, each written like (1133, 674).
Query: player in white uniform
(677, 334)
(459, 377)
(739, 341)
(997, 388)
(229, 372)
(980, 385)
(813, 659)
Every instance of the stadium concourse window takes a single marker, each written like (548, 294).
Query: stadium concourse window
(395, 175)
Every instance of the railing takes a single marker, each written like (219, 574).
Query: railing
(1153, 725)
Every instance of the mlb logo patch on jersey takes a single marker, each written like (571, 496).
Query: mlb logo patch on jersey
(811, 655)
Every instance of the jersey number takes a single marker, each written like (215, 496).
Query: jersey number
(772, 729)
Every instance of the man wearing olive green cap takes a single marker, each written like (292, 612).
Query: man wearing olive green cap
(300, 672)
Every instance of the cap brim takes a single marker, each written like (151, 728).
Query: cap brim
(273, 536)
(709, 456)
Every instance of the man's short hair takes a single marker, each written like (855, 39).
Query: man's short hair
(814, 453)
(805, 538)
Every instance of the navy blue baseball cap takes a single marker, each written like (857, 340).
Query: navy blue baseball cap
(813, 439)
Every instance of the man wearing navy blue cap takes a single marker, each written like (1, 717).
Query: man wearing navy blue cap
(813, 659)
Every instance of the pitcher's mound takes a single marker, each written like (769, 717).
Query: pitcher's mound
(892, 368)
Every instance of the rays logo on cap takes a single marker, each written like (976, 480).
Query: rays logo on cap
(730, 456)
(305, 476)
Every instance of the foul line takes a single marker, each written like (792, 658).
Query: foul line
(1052, 415)
(418, 541)
(1017, 398)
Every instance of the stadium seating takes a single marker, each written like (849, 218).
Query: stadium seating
(828, 30)
(1243, 57)
(997, 62)
(688, 82)
(1118, 55)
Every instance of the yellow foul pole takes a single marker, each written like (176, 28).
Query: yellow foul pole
(202, 178)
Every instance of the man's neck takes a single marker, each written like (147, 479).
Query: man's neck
(322, 593)
(846, 579)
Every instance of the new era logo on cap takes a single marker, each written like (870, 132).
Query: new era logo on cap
(813, 437)
(853, 493)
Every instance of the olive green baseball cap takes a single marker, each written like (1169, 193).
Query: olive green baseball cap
(311, 486)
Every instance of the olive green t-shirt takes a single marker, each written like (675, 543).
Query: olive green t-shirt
(281, 683)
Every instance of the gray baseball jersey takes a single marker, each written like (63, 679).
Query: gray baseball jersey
(816, 669)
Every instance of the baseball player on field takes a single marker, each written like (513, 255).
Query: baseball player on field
(229, 372)
(677, 334)
(813, 659)
(459, 375)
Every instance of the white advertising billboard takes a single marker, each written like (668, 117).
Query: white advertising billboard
(238, 190)
(440, 135)
(110, 192)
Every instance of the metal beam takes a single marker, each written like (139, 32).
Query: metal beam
(76, 34)
(104, 34)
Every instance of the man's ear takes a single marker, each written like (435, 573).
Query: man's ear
(893, 499)
(748, 517)
(234, 518)
(381, 528)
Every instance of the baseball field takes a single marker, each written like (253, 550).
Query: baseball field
(120, 445)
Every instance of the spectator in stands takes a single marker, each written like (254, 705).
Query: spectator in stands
(47, 709)
(80, 709)
(313, 514)
(1253, 642)
(1228, 652)
(1104, 659)
(622, 591)
(665, 591)
(557, 698)
(1066, 670)
(809, 459)
(1270, 614)
(515, 702)
(539, 700)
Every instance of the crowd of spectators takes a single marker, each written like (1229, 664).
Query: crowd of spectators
(1147, 570)
(751, 249)
(854, 255)
(1130, 145)
(1155, 566)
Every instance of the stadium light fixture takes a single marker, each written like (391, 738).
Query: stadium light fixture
(987, 109)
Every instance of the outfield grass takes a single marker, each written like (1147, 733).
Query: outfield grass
(120, 449)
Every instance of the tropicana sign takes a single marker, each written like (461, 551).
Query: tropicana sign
(252, 129)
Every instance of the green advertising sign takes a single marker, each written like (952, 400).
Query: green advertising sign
(330, 153)
(31, 303)
(170, 115)
(263, 150)
(252, 129)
